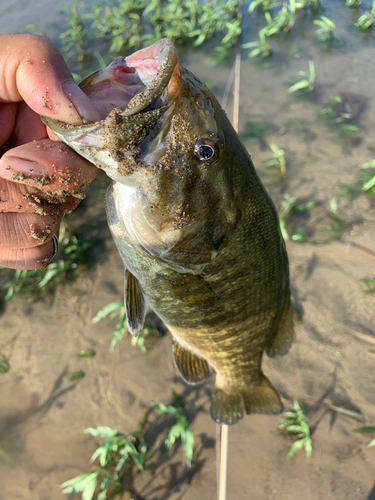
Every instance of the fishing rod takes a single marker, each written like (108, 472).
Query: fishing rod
(222, 430)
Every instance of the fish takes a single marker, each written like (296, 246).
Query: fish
(196, 230)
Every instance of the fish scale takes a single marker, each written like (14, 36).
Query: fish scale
(197, 232)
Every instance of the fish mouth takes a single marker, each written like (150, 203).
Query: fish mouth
(143, 83)
(133, 83)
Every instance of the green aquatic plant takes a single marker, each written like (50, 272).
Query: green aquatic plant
(289, 207)
(71, 258)
(296, 424)
(367, 430)
(278, 161)
(117, 308)
(285, 18)
(133, 24)
(180, 430)
(262, 5)
(75, 35)
(4, 365)
(365, 21)
(370, 284)
(326, 28)
(260, 47)
(368, 169)
(120, 455)
(306, 83)
(353, 3)
(330, 110)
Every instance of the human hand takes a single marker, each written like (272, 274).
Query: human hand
(40, 179)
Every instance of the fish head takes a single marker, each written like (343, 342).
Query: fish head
(165, 138)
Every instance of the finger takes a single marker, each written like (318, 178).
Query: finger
(28, 258)
(49, 166)
(33, 70)
(22, 231)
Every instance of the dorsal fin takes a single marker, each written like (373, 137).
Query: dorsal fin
(192, 368)
(135, 304)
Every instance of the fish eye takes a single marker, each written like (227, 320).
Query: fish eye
(206, 151)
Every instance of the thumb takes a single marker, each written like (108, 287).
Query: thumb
(33, 70)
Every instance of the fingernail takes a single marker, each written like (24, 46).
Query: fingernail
(15, 169)
(81, 102)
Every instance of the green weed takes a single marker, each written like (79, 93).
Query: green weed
(334, 116)
(114, 309)
(77, 375)
(289, 207)
(71, 258)
(353, 3)
(296, 424)
(367, 430)
(75, 35)
(367, 19)
(285, 18)
(262, 5)
(307, 82)
(4, 365)
(260, 47)
(370, 284)
(368, 182)
(181, 429)
(119, 456)
(278, 161)
(90, 353)
(133, 24)
(326, 28)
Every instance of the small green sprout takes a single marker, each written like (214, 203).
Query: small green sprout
(290, 206)
(307, 82)
(181, 429)
(70, 259)
(367, 430)
(330, 111)
(4, 364)
(285, 18)
(369, 177)
(117, 308)
(326, 28)
(260, 47)
(278, 161)
(262, 5)
(77, 375)
(353, 3)
(369, 282)
(75, 36)
(117, 455)
(367, 19)
(296, 424)
(90, 353)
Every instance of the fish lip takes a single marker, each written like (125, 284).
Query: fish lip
(162, 54)
(168, 75)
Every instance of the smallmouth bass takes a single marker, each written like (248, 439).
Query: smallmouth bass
(197, 232)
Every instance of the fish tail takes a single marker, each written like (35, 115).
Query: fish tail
(228, 406)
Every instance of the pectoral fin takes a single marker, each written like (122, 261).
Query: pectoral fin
(192, 368)
(135, 304)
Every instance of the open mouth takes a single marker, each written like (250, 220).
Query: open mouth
(134, 83)
(132, 92)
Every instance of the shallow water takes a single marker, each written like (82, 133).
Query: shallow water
(43, 413)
